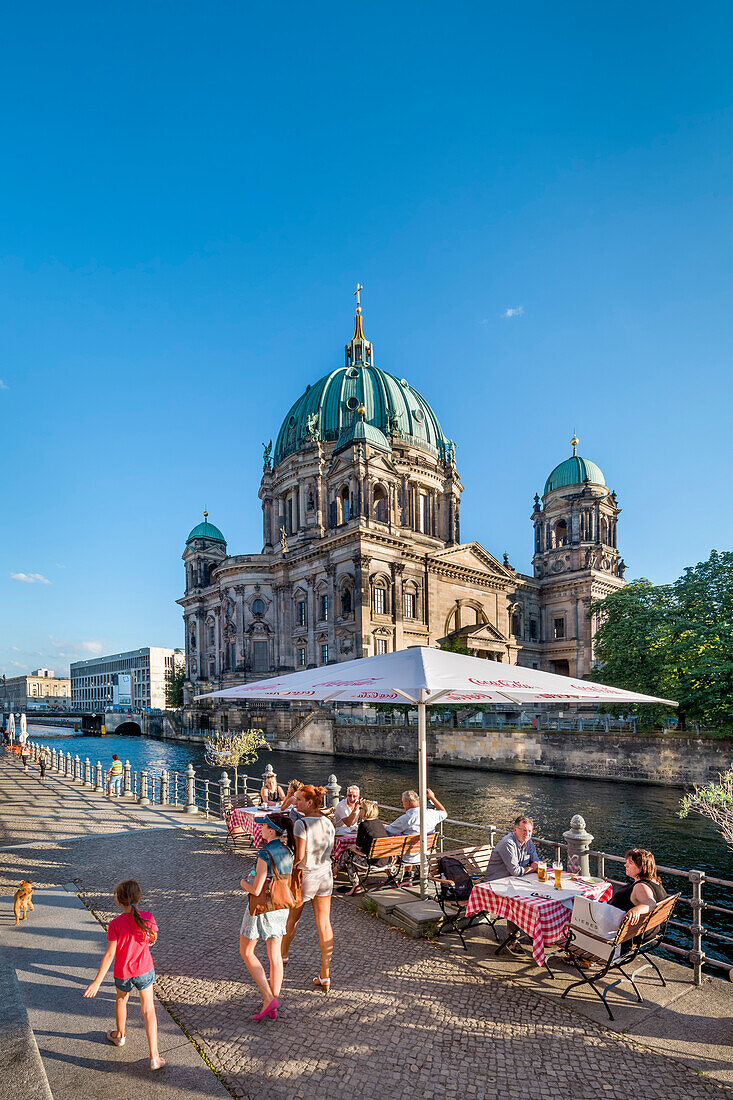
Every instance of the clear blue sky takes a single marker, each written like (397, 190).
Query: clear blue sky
(189, 194)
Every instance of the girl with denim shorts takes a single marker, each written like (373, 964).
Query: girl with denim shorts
(130, 937)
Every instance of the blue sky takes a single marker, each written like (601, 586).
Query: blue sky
(536, 199)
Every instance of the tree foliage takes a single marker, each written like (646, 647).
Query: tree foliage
(714, 801)
(675, 641)
(174, 686)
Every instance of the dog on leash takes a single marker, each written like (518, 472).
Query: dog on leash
(22, 900)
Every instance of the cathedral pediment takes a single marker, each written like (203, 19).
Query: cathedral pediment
(482, 632)
(472, 555)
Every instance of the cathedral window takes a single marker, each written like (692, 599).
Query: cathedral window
(345, 504)
(380, 600)
(410, 605)
(212, 670)
(516, 623)
(258, 607)
(300, 613)
(559, 629)
(323, 608)
(346, 601)
(311, 503)
(301, 656)
(533, 630)
(380, 646)
(211, 635)
(380, 504)
(193, 640)
(561, 533)
(259, 657)
(422, 505)
(324, 653)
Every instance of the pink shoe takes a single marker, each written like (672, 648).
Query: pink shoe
(270, 1010)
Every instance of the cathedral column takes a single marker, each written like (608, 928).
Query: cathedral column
(362, 610)
(330, 575)
(311, 613)
(398, 608)
(239, 591)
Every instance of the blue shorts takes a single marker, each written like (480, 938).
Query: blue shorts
(115, 783)
(139, 981)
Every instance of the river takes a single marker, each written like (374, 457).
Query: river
(619, 815)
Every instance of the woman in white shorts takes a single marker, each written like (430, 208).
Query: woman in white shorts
(314, 836)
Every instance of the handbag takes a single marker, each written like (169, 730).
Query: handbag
(279, 892)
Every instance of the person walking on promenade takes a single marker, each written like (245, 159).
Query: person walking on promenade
(114, 775)
(25, 755)
(277, 851)
(130, 937)
(314, 837)
(44, 757)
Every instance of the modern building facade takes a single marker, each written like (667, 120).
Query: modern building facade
(40, 690)
(139, 675)
(362, 549)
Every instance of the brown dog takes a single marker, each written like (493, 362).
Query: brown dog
(22, 900)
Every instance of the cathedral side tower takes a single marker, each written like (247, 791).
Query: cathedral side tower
(576, 560)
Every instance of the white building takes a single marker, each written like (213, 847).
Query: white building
(102, 681)
(40, 690)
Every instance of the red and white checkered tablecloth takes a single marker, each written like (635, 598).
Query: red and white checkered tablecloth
(250, 822)
(544, 919)
(341, 843)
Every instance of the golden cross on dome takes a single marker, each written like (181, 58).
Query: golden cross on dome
(357, 294)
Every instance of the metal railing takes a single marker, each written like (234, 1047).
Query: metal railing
(185, 790)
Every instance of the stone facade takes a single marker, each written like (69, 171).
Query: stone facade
(362, 552)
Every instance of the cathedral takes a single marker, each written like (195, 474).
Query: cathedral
(362, 550)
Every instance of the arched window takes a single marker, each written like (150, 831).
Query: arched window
(561, 533)
(209, 572)
(344, 503)
(258, 607)
(604, 531)
(193, 639)
(380, 504)
(310, 501)
(379, 598)
(516, 622)
(346, 607)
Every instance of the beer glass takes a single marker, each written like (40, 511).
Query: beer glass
(542, 870)
(557, 871)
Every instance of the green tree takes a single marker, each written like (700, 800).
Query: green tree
(715, 801)
(174, 686)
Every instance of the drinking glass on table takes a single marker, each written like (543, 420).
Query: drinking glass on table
(542, 870)
(557, 871)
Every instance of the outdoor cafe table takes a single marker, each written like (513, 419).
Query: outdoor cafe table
(251, 821)
(543, 918)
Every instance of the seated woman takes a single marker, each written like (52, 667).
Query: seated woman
(289, 801)
(370, 827)
(638, 897)
(271, 792)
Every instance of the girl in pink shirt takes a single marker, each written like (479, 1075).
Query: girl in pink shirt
(130, 937)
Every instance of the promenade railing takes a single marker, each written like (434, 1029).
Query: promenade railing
(183, 789)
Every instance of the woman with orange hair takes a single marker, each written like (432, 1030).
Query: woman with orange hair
(314, 836)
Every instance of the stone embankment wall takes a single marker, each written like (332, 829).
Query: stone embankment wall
(666, 760)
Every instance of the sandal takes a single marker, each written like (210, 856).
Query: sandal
(324, 984)
(157, 1063)
(114, 1039)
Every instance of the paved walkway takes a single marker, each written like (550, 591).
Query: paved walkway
(404, 1016)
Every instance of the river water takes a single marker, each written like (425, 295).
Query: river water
(619, 815)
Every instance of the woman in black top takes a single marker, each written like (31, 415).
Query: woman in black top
(639, 896)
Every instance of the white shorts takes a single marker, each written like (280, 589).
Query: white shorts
(317, 883)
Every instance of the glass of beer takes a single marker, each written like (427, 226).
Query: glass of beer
(557, 871)
(542, 870)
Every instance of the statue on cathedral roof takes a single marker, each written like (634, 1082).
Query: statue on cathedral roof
(267, 455)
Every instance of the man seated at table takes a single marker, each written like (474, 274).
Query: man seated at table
(409, 823)
(348, 811)
(513, 856)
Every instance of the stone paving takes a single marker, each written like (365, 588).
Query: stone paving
(403, 1015)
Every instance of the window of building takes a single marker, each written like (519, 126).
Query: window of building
(559, 628)
(212, 670)
(561, 533)
(323, 608)
(310, 501)
(346, 601)
(324, 653)
(345, 504)
(516, 623)
(380, 646)
(533, 630)
(211, 635)
(260, 661)
(301, 613)
(409, 605)
(301, 656)
(380, 601)
(258, 607)
(380, 504)
(422, 505)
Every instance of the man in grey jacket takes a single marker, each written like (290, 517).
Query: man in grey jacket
(513, 856)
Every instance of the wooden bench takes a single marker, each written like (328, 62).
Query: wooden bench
(393, 849)
(474, 860)
(630, 942)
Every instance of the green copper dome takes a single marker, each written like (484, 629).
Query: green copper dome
(206, 530)
(574, 471)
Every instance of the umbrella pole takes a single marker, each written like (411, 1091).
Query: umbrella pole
(422, 767)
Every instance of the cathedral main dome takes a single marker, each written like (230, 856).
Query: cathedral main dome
(331, 406)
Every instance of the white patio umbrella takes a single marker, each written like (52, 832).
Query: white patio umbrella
(23, 728)
(426, 676)
(11, 726)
